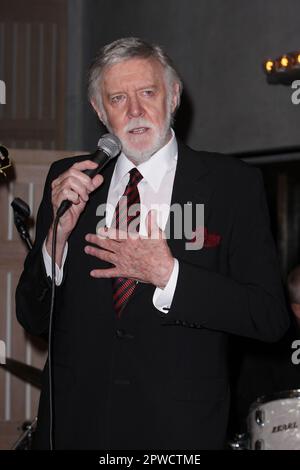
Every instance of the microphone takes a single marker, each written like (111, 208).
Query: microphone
(109, 147)
(21, 214)
(21, 208)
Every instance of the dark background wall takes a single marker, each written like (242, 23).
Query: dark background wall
(218, 47)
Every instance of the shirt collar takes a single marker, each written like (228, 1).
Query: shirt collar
(154, 169)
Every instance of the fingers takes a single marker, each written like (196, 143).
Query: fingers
(73, 174)
(105, 273)
(74, 185)
(97, 181)
(106, 243)
(85, 165)
(69, 194)
(116, 234)
(101, 254)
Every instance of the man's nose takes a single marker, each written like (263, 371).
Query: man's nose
(135, 108)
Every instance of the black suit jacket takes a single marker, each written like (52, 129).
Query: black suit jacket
(150, 380)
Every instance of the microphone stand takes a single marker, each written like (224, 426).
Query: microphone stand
(21, 214)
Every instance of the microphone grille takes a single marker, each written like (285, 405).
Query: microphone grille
(21, 207)
(110, 144)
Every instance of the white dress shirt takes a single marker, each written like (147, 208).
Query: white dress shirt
(155, 191)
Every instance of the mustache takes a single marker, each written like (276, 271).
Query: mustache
(140, 122)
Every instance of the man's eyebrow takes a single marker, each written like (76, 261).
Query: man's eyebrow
(144, 87)
(110, 93)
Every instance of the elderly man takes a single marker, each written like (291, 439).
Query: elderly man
(142, 322)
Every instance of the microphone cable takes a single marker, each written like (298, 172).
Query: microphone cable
(50, 334)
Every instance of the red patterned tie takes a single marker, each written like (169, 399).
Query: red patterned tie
(122, 286)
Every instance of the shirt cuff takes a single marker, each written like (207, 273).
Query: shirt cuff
(59, 272)
(162, 298)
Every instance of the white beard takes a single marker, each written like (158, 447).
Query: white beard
(160, 138)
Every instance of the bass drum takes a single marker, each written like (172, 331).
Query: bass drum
(274, 422)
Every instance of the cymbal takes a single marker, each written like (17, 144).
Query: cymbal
(23, 371)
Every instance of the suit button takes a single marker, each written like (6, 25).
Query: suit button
(121, 334)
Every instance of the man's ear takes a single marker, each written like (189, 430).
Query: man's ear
(93, 103)
(296, 309)
(175, 98)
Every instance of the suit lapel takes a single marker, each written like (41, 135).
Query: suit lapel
(193, 185)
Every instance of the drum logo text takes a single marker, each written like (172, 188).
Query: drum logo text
(285, 427)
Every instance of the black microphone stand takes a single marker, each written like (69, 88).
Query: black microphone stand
(21, 214)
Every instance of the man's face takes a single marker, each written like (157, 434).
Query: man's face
(137, 106)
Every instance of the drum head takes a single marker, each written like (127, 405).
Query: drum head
(274, 422)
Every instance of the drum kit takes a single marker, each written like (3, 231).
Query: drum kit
(33, 376)
(273, 423)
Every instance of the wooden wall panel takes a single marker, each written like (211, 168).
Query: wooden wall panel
(33, 66)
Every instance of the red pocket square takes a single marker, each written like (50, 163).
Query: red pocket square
(210, 239)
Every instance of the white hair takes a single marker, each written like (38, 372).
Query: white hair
(125, 49)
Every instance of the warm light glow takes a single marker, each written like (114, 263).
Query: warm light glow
(287, 65)
(284, 61)
(269, 65)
